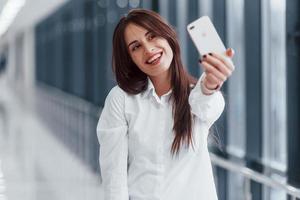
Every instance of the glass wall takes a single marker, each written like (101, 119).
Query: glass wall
(73, 54)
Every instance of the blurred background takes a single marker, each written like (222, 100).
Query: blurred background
(55, 72)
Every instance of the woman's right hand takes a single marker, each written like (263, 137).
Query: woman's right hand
(217, 68)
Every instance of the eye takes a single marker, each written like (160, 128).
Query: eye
(151, 36)
(135, 47)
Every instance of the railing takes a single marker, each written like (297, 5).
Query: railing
(73, 121)
(249, 175)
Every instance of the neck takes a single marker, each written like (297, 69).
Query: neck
(161, 83)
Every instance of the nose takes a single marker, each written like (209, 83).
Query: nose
(149, 48)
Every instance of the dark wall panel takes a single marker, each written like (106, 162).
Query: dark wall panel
(78, 44)
(253, 90)
(293, 89)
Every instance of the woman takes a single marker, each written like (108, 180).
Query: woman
(154, 125)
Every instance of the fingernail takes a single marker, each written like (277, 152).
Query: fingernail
(210, 54)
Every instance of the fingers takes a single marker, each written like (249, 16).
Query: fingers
(212, 81)
(221, 66)
(225, 60)
(217, 68)
(230, 52)
(209, 68)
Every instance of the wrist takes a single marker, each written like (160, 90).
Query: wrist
(211, 87)
(207, 90)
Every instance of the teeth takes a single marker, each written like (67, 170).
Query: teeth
(152, 59)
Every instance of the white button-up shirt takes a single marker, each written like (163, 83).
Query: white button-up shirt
(135, 136)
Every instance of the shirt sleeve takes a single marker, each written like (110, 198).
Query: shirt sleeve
(208, 108)
(113, 140)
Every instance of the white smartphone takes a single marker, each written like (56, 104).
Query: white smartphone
(205, 36)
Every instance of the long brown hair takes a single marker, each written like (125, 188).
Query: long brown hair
(133, 81)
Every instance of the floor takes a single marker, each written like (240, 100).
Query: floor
(33, 164)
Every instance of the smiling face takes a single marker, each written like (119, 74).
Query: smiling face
(152, 54)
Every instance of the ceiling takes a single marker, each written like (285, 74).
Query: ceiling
(32, 12)
(2, 2)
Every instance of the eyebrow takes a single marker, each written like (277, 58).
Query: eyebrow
(136, 40)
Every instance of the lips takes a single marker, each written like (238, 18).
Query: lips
(154, 59)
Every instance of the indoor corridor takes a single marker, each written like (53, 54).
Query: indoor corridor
(34, 165)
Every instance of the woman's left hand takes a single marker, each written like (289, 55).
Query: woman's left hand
(217, 68)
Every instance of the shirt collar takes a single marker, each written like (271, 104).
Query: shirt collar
(151, 90)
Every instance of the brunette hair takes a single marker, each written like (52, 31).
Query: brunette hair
(133, 81)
